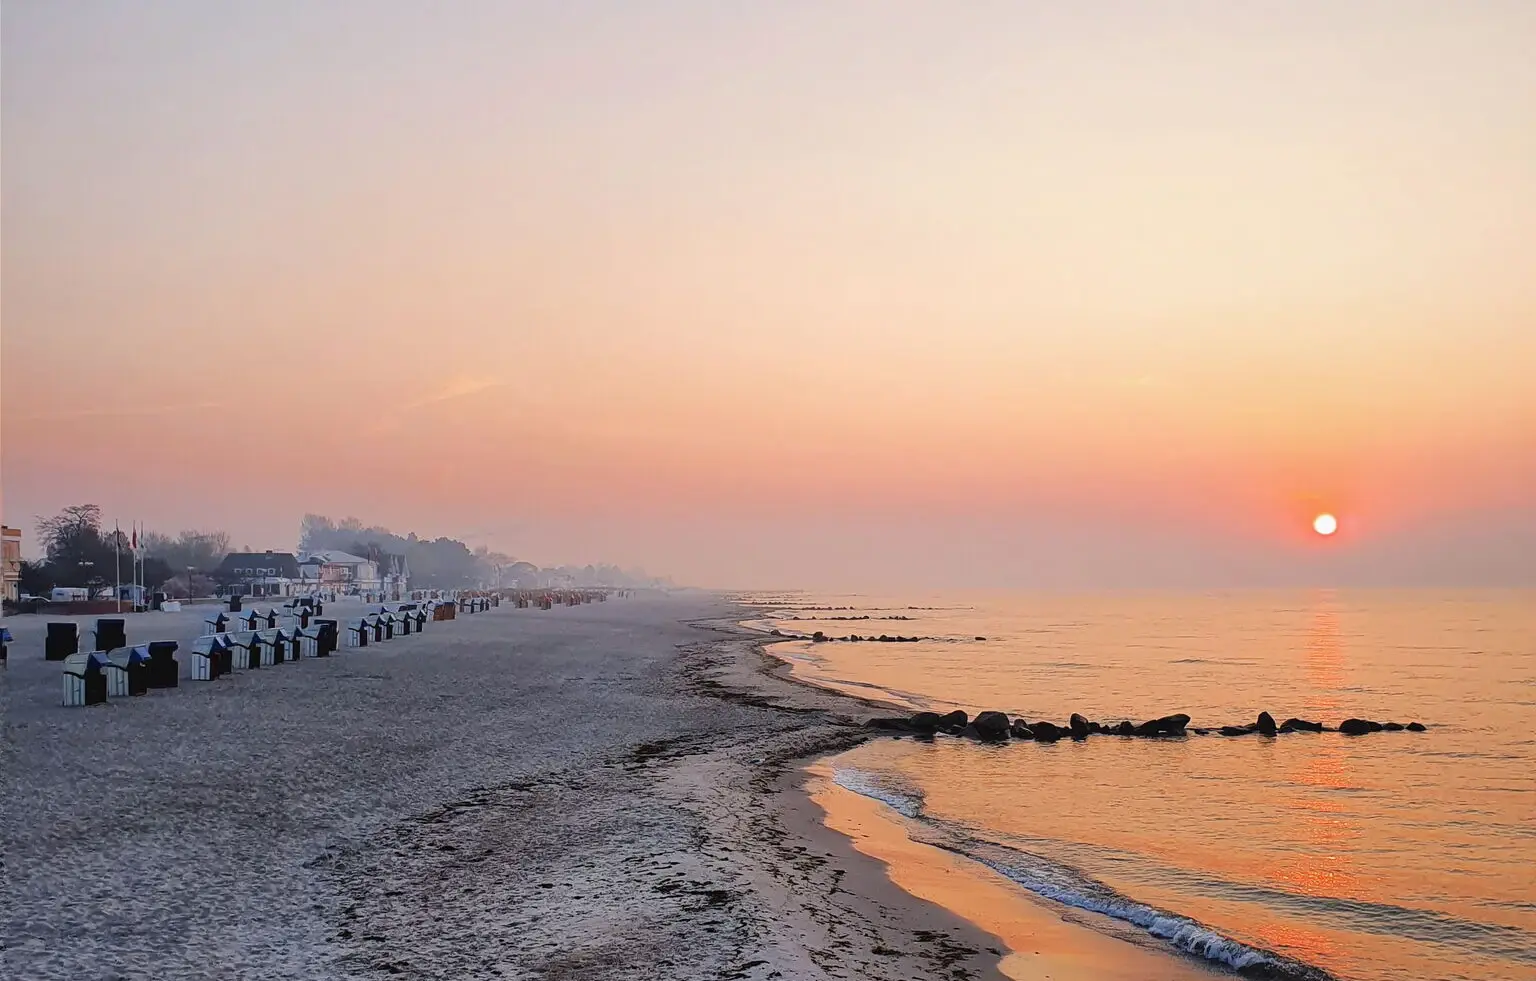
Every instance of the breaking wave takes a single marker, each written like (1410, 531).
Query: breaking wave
(1063, 884)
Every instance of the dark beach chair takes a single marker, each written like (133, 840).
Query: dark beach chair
(111, 634)
(164, 671)
(62, 641)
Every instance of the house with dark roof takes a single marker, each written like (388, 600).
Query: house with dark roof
(259, 574)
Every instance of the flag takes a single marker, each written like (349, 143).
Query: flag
(135, 545)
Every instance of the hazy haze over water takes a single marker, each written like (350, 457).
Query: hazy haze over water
(877, 295)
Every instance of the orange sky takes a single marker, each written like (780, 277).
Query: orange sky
(790, 293)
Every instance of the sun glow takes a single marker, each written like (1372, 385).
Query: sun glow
(1325, 524)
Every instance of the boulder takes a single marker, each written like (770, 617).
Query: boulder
(1266, 724)
(1168, 725)
(1415, 727)
(1201, 732)
(1079, 726)
(889, 724)
(954, 721)
(1021, 730)
(1124, 729)
(776, 632)
(924, 721)
(1301, 725)
(981, 638)
(991, 726)
(1046, 732)
(1358, 727)
(819, 637)
(1393, 726)
(1235, 731)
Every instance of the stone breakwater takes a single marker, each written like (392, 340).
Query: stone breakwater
(997, 727)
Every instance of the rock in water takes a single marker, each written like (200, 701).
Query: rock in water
(1415, 727)
(991, 726)
(1125, 729)
(1046, 732)
(1079, 726)
(954, 721)
(1235, 731)
(889, 724)
(1021, 730)
(1266, 723)
(1358, 727)
(1301, 725)
(924, 721)
(1168, 725)
(1393, 726)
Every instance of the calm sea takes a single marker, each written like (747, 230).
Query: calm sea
(1385, 857)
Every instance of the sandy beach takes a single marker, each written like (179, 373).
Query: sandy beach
(607, 791)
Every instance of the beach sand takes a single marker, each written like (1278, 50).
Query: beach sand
(606, 791)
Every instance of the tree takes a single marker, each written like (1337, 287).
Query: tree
(36, 578)
(203, 551)
(78, 553)
(155, 572)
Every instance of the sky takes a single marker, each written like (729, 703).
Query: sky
(824, 294)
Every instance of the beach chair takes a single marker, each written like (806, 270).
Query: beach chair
(250, 620)
(287, 645)
(267, 644)
(62, 641)
(388, 620)
(270, 620)
(127, 672)
(248, 646)
(208, 657)
(326, 642)
(306, 642)
(216, 624)
(358, 631)
(164, 671)
(84, 683)
(111, 634)
(376, 625)
(403, 622)
(5, 642)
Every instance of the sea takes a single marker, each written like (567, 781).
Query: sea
(1392, 856)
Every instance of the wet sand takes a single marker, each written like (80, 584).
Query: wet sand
(579, 793)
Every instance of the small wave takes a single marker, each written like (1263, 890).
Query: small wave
(1063, 884)
(906, 801)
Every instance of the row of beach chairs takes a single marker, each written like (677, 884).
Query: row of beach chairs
(92, 677)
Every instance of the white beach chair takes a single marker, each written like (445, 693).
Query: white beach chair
(245, 645)
(357, 632)
(84, 683)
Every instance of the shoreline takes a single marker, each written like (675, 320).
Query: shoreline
(1029, 937)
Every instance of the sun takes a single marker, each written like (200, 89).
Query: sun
(1325, 524)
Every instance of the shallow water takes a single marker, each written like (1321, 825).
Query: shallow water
(1390, 856)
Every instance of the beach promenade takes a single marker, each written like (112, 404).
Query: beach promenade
(575, 793)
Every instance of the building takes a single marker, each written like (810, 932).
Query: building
(10, 563)
(342, 572)
(259, 574)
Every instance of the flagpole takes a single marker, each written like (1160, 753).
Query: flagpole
(117, 559)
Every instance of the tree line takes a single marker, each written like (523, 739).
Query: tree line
(79, 553)
(447, 563)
